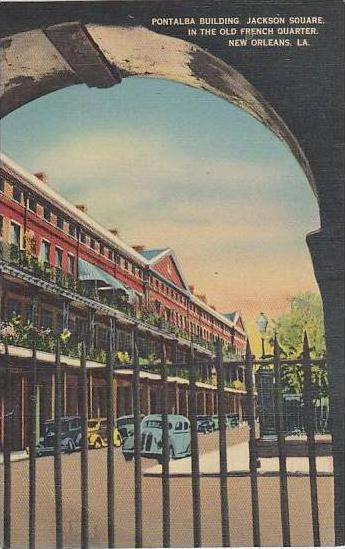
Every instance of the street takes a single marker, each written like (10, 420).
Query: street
(181, 503)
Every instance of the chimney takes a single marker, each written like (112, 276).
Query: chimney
(213, 307)
(191, 288)
(202, 297)
(139, 248)
(115, 232)
(42, 176)
(82, 208)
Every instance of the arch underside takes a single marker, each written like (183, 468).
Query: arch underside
(38, 62)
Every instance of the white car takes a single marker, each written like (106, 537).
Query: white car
(151, 438)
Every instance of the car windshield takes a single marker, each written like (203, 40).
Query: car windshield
(125, 421)
(92, 424)
(156, 423)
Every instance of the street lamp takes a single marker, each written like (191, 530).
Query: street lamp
(262, 323)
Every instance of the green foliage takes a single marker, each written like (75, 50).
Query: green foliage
(305, 315)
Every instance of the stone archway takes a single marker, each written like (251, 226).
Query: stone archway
(42, 60)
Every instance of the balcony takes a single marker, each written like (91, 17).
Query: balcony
(116, 298)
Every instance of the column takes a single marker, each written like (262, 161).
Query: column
(65, 315)
(327, 251)
(91, 331)
(177, 399)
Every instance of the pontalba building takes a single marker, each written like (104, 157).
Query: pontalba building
(63, 275)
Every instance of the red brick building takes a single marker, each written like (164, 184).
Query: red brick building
(64, 273)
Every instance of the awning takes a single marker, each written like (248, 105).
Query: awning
(87, 271)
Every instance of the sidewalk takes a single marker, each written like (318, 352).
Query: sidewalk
(238, 460)
(15, 456)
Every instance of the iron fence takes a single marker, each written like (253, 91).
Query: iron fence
(249, 363)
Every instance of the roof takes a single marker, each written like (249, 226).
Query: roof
(50, 194)
(88, 271)
(230, 316)
(152, 254)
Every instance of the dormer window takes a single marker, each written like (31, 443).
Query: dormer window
(17, 194)
(32, 204)
(46, 213)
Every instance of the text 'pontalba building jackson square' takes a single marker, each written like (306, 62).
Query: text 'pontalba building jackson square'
(63, 276)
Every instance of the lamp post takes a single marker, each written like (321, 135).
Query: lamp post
(262, 323)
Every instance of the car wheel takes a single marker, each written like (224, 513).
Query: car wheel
(171, 453)
(97, 444)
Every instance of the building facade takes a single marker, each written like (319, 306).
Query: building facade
(65, 276)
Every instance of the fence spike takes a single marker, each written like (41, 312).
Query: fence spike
(306, 347)
(248, 350)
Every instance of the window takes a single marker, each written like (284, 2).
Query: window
(32, 205)
(15, 234)
(46, 318)
(111, 255)
(83, 238)
(14, 308)
(17, 194)
(58, 258)
(71, 263)
(72, 230)
(46, 213)
(118, 260)
(60, 222)
(92, 243)
(45, 251)
(101, 249)
(2, 184)
(126, 264)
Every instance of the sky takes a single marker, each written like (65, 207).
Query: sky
(173, 166)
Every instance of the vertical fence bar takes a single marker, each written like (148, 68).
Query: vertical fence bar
(252, 447)
(84, 472)
(310, 430)
(137, 444)
(192, 405)
(279, 421)
(223, 459)
(57, 450)
(8, 419)
(32, 449)
(110, 436)
(165, 450)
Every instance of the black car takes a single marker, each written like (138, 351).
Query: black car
(205, 424)
(70, 436)
(232, 420)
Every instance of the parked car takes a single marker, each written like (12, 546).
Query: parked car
(232, 420)
(70, 436)
(151, 438)
(97, 434)
(215, 423)
(205, 424)
(125, 425)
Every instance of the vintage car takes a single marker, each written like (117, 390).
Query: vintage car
(232, 420)
(215, 420)
(97, 434)
(125, 425)
(151, 438)
(70, 436)
(205, 424)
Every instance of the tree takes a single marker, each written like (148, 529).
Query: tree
(305, 314)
